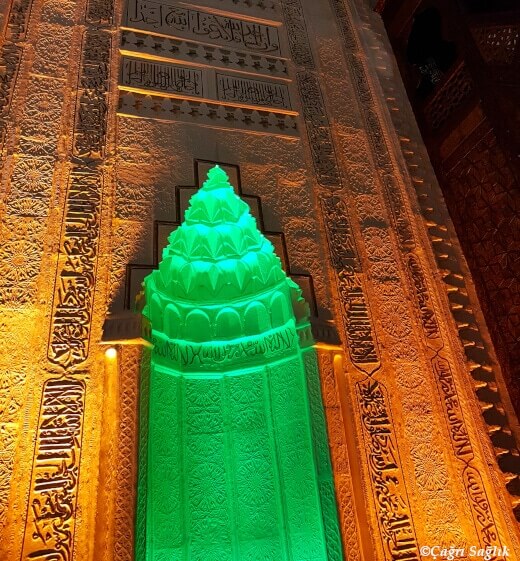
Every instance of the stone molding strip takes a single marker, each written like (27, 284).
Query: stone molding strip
(163, 48)
(207, 114)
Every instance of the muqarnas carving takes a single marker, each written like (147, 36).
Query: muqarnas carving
(231, 469)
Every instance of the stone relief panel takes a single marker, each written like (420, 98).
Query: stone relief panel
(20, 258)
(167, 78)
(190, 82)
(28, 193)
(69, 337)
(54, 508)
(363, 348)
(91, 117)
(129, 375)
(329, 361)
(318, 129)
(173, 20)
(12, 394)
(11, 58)
(252, 92)
(31, 104)
(198, 42)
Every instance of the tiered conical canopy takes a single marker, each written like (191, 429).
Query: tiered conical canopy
(217, 257)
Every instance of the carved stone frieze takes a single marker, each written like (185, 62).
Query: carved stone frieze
(318, 130)
(192, 82)
(339, 455)
(53, 511)
(206, 113)
(190, 51)
(362, 347)
(100, 12)
(12, 385)
(91, 118)
(74, 291)
(129, 374)
(20, 257)
(438, 353)
(167, 78)
(383, 459)
(174, 20)
(294, 19)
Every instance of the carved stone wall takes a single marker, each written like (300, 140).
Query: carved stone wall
(469, 123)
(104, 106)
(54, 122)
(472, 193)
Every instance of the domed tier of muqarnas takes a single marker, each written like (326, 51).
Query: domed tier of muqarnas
(234, 459)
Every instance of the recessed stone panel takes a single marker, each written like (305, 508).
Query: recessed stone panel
(160, 77)
(166, 18)
(252, 92)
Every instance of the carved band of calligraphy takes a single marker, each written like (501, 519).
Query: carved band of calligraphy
(374, 129)
(441, 367)
(362, 345)
(51, 514)
(91, 119)
(11, 58)
(318, 130)
(397, 532)
(213, 356)
(159, 77)
(422, 298)
(100, 12)
(176, 21)
(254, 92)
(52, 504)
(299, 44)
(74, 293)
(181, 81)
(480, 507)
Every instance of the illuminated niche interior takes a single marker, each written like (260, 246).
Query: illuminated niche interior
(234, 461)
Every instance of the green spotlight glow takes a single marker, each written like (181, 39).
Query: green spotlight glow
(234, 462)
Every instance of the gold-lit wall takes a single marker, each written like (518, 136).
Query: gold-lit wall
(109, 115)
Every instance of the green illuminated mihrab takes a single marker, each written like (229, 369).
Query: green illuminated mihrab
(234, 462)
